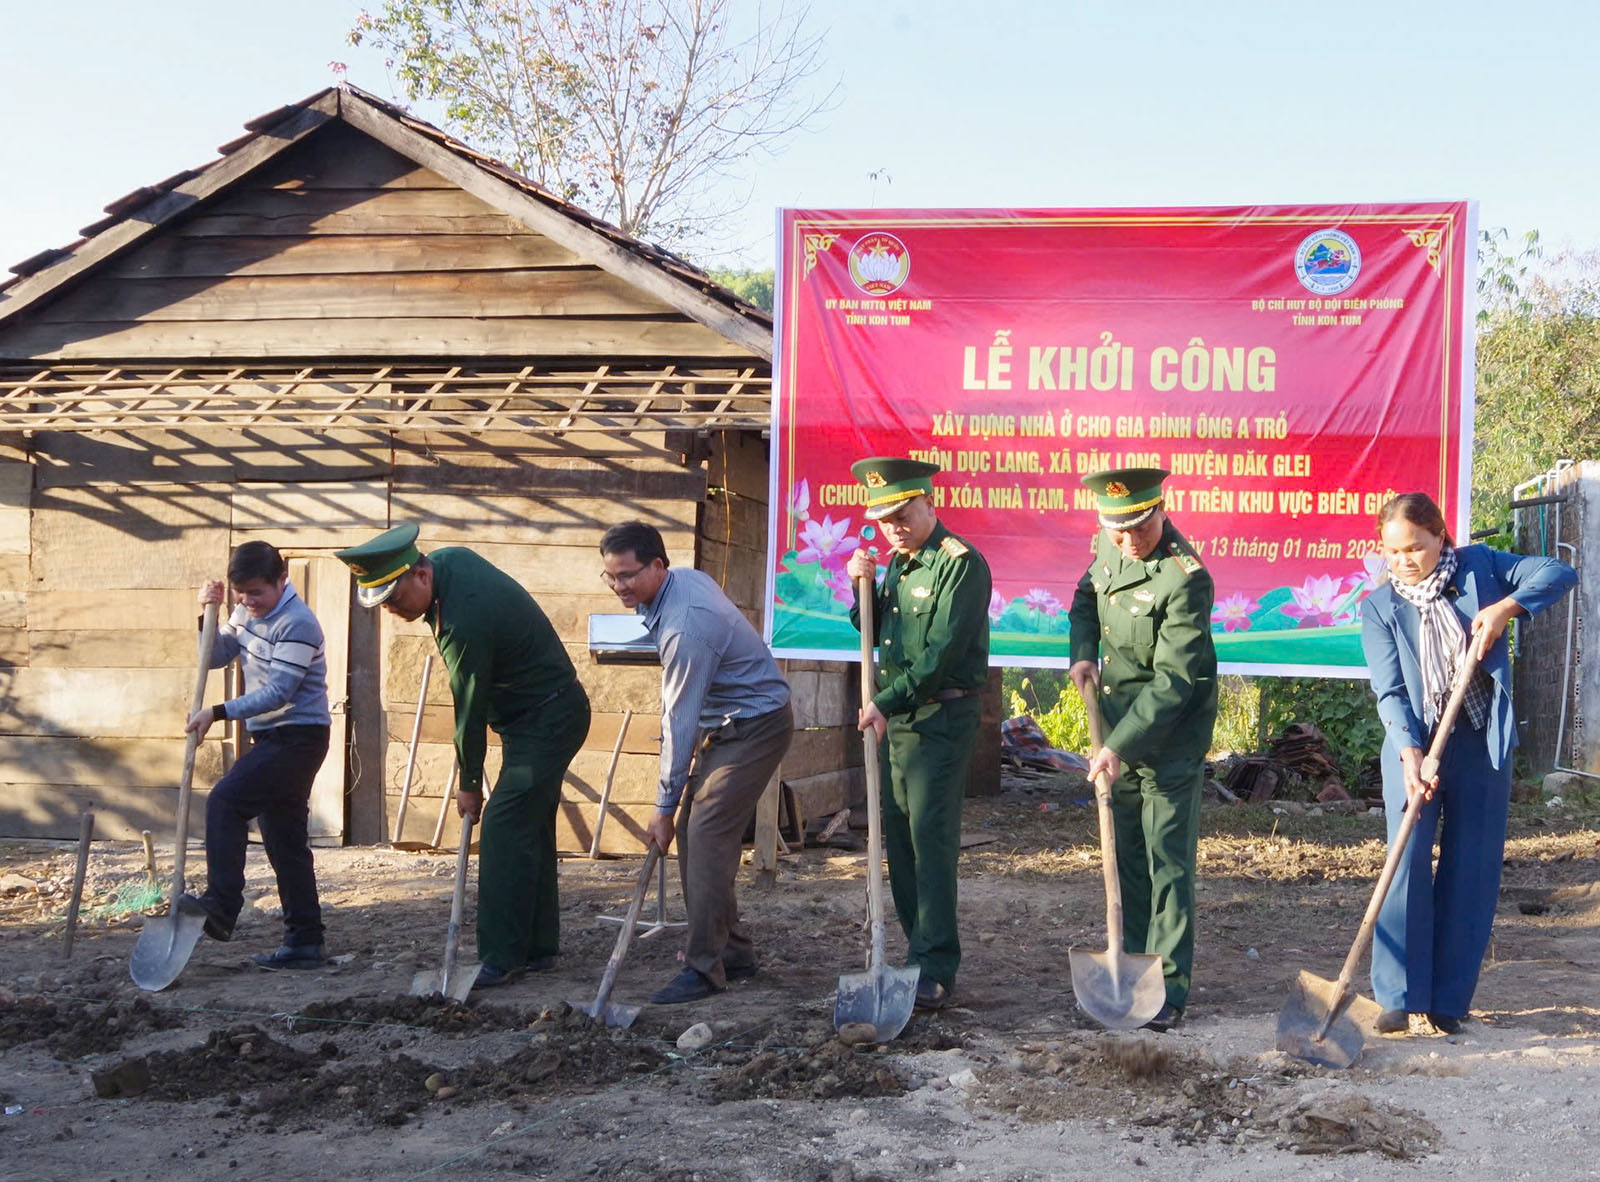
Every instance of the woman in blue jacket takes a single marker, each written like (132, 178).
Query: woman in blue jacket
(1416, 628)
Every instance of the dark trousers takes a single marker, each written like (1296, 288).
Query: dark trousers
(270, 784)
(731, 770)
(519, 908)
(1434, 927)
(1156, 811)
(924, 761)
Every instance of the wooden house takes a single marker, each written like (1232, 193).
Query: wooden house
(346, 321)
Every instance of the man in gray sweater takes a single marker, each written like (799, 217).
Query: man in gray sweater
(285, 708)
(725, 710)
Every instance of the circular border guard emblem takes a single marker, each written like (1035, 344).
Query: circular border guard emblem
(1327, 262)
(879, 263)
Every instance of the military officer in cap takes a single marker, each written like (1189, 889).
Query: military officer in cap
(508, 671)
(932, 620)
(1141, 639)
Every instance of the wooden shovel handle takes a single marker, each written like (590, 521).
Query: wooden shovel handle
(625, 936)
(1402, 837)
(208, 636)
(869, 739)
(1108, 832)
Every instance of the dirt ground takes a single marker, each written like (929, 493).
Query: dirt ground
(234, 1072)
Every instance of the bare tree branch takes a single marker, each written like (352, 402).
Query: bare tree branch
(646, 111)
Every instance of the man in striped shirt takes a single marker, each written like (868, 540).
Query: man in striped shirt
(285, 708)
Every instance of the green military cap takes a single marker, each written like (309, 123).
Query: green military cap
(892, 481)
(1126, 496)
(378, 564)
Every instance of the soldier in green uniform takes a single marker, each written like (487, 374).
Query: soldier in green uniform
(1141, 636)
(932, 621)
(508, 671)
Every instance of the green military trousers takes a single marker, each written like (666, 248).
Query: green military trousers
(519, 910)
(1156, 807)
(924, 762)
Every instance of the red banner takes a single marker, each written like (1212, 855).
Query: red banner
(1292, 366)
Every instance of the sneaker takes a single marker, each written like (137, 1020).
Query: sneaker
(291, 956)
(739, 972)
(931, 995)
(217, 926)
(492, 977)
(1166, 1018)
(688, 985)
(1393, 1022)
(1445, 1024)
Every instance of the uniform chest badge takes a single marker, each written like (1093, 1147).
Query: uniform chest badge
(921, 592)
(1145, 596)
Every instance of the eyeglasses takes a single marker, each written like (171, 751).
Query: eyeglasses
(616, 580)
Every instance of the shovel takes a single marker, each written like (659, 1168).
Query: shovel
(453, 981)
(881, 997)
(603, 1008)
(165, 943)
(1119, 990)
(1314, 1024)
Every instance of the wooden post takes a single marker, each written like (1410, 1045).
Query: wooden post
(765, 858)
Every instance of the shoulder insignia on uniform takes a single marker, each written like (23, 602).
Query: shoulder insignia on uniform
(953, 546)
(1186, 557)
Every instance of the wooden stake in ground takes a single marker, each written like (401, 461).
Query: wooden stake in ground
(85, 833)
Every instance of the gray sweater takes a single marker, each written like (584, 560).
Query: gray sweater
(285, 671)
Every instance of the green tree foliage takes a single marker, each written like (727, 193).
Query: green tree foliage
(1538, 367)
(753, 287)
(643, 111)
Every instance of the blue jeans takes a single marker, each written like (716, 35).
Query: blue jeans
(270, 784)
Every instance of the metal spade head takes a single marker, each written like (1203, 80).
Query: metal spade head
(165, 944)
(882, 996)
(1119, 990)
(432, 981)
(1322, 1024)
(612, 1013)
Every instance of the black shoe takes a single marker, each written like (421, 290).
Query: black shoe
(739, 972)
(1168, 1017)
(1393, 1022)
(492, 977)
(291, 956)
(1445, 1024)
(931, 995)
(217, 926)
(541, 964)
(688, 985)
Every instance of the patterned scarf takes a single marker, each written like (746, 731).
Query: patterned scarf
(1443, 644)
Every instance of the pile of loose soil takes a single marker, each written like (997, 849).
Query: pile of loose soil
(436, 1015)
(823, 1071)
(561, 1057)
(1150, 1085)
(238, 1059)
(73, 1029)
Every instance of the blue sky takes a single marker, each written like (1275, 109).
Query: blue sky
(970, 104)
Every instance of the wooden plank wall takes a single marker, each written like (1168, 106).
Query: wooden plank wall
(822, 772)
(116, 533)
(340, 247)
(536, 508)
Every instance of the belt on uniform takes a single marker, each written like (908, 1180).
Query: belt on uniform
(950, 695)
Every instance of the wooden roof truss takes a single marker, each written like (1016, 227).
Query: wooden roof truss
(549, 399)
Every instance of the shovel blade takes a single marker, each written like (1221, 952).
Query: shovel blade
(882, 997)
(1119, 990)
(431, 983)
(164, 946)
(1312, 999)
(611, 1014)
